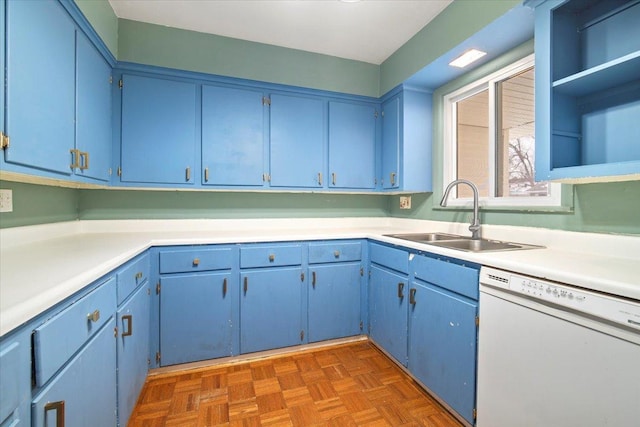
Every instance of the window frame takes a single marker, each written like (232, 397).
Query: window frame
(449, 165)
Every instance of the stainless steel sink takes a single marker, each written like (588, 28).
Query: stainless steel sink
(463, 243)
(427, 237)
(483, 245)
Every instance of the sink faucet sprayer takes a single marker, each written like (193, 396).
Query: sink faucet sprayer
(475, 224)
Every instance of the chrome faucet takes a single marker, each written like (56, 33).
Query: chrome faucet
(474, 228)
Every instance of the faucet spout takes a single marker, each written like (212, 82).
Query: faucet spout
(475, 223)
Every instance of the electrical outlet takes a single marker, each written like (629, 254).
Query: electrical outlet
(6, 200)
(405, 202)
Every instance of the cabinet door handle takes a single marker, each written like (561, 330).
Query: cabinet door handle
(59, 408)
(393, 178)
(272, 257)
(313, 279)
(412, 296)
(94, 317)
(333, 178)
(84, 160)
(128, 331)
(400, 290)
(138, 275)
(224, 287)
(246, 284)
(188, 173)
(319, 178)
(206, 174)
(76, 158)
(196, 262)
(336, 254)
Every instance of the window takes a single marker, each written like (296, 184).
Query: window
(489, 139)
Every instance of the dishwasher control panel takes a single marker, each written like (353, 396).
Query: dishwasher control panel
(614, 309)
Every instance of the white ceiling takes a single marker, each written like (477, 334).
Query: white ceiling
(368, 30)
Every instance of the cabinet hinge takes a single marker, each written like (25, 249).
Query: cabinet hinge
(110, 171)
(4, 141)
(115, 332)
(302, 277)
(148, 291)
(266, 100)
(382, 113)
(361, 325)
(301, 335)
(148, 362)
(158, 288)
(375, 114)
(119, 171)
(158, 357)
(266, 177)
(110, 79)
(475, 413)
(477, 321)
(120, 84)
(361, 272)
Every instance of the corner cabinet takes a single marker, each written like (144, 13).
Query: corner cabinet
(587, 90)
(406, 140)
(158, 131)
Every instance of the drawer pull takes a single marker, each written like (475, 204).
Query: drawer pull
(336, 254)
(393, 178)
(139, 275)
(76, 158)
(412, 296)
(196, 262)
(84, 160)
(94, 317)
(333, 178)
(128, 331)
(272, 258)
(313, 278)
(400, 290)
(206, 174)
(59, 408)
(246, 284)
(224, 287)
(188, 174)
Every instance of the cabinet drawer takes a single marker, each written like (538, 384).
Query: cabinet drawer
(131, 276)
(456, 278)
(192, 260)
(271, 255)
(61, 336)
(84, 392)
(395, 259)
(334, 252)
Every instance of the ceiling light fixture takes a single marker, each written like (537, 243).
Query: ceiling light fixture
(467, 58)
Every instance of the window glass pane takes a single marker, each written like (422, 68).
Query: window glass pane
(515, 140)
(472, 131)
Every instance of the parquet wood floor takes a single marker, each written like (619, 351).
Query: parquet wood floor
(341, 386)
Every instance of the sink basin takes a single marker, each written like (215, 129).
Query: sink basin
(427, 237)
(483, 245)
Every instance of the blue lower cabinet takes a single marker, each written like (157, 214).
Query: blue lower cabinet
(270, 308)
(443, 340)
(83, 393)
(334, 301)
(195, 317)
(388, 316)
(15, 379)
(132, 350)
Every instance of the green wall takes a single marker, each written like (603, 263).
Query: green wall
(125, 204)
(37, 204)
(104, 21)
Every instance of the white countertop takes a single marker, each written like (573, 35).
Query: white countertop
(44, 264)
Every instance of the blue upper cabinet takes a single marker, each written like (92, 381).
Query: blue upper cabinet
(40, 86)
(406, 141)
(233, 137)
(352, 145)
(158, 131)
(587, 90)
(93, 112)
(297, 143)
(2, 72)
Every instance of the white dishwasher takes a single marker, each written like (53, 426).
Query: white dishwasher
(552, 355)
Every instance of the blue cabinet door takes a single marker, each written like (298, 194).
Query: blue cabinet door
(391, 132)
(352, 145)
(334, 301)
(15, 378)
(297, 141)
(388, 316)
(132, 350)
(158, 130)
(93, 111)
(40, 85)
(195, 317)
(233, 137)
(270, 308)
(85, 389)
(2, 67)
(443, 340)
